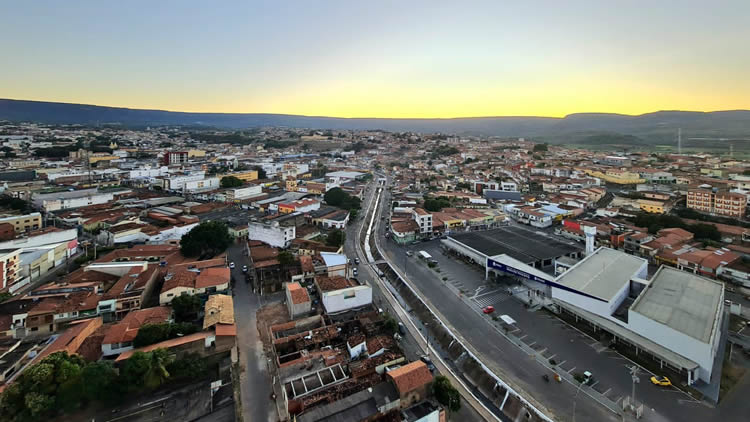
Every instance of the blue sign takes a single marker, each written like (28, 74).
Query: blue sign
(514, 271)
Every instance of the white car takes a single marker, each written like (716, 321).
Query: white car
(244, 268)
(231, 265)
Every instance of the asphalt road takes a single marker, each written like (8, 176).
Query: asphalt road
(412, 350)
(255, 382)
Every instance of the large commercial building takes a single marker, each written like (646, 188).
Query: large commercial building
(675, 317)
(499, 248)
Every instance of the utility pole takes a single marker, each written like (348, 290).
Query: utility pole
(634, 377)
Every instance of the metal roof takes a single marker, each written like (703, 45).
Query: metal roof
(525, 245)
(682, 301)
(603, 273)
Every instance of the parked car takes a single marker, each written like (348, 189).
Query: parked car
(356, 261)
(663, 381)
(354, 271)
(401, 328)
(588, 377)
(244, 268)
(427, 361)
(409, 253)
(488, 309)
(231, 265)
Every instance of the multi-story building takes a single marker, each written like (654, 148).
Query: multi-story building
(718, 202)
(238, 194)
(175, 157)
(245, 176)
(24, 223)
(271, 233)
(202, 185)
(9, 268)
(423, 219)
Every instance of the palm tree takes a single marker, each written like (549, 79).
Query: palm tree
(157, 373)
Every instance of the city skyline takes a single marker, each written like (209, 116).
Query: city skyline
(391, 61)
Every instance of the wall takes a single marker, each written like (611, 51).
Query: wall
(676, 341)
(345, 299)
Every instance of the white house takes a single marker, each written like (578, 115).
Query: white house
(271, 233)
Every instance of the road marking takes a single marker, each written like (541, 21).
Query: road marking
(485, 294)
(592, 385)
(605, 393)
(522, 337)
(571, 369)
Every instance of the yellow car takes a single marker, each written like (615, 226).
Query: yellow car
(663, 381)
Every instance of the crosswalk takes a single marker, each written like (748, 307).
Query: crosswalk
(490, 298)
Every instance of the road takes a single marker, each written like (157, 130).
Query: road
(255, 382)
(412, 344)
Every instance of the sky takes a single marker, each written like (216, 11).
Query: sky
(380, 58)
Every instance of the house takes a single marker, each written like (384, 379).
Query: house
(297, 300)
(339, 294)
(412, 382)
(219, 314)
(119, 337)
(192, 282)
(70, 340)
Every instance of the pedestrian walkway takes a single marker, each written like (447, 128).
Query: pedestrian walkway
(490, 298)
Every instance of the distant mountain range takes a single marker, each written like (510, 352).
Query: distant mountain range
(649, 128)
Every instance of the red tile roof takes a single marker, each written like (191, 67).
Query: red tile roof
(167, 344)
(298, 293)
(127, 329)
(410, 377)
(211, 277)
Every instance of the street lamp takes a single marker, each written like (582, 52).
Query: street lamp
(634, 377)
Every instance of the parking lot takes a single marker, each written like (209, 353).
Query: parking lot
(550, 339)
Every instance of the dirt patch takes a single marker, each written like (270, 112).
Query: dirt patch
(731, 374)
(271, 314)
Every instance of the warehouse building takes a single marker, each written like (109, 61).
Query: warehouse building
(675, 317)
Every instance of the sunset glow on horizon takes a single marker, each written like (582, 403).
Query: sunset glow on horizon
(432, 59)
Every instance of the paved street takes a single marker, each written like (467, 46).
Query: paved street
(412, 348)
(255, 383)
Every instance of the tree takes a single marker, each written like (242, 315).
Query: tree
(157, 373)
(336, 238)
(286, 258)
(446, 393)
(186, 307)
(434, 205)
(231, 182)
(540, 148)
(338, 198)
(154, 333)
(98, 380)
(207, 239)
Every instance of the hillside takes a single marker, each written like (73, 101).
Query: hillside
(650, 128)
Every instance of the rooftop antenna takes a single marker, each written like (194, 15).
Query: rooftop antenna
(679, 141)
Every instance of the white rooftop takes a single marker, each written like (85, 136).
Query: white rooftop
(603, 273)
(345, 174)
(333, 259)
(682, 301)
